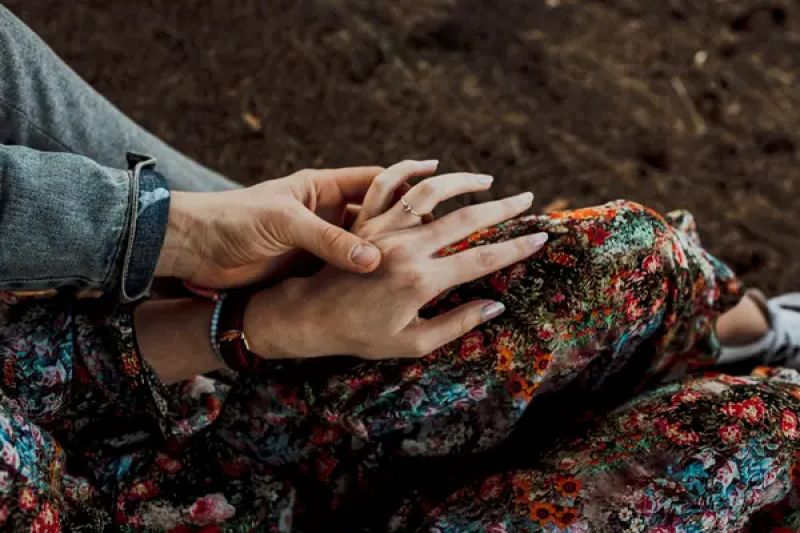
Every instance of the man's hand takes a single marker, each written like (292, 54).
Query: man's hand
(235, 238)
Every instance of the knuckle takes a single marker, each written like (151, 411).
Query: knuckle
(284, 213)
(395, 254)
(426, 188)
(332, 237)
(383, 182)
(413, 278)
(487, 259)
(468, 217)
(306, 173)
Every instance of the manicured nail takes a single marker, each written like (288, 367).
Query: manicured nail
(485, 180)
(537, 240)
(363, 255)
(525, 199)
(429, 165)
(491, 310)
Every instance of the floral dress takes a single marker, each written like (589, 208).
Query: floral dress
(587, 406)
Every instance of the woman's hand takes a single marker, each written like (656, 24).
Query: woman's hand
(235, 238)
(376, 316)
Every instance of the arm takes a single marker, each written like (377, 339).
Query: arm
(68, 222)
(336, 312)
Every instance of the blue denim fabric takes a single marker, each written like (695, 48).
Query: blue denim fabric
(148, 229)
(69, 223)
(69, 209)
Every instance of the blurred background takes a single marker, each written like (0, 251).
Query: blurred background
(674, 103)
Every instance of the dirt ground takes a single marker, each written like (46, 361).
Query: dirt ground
(675, 103)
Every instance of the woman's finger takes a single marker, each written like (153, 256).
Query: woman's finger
(423, 197)
(381, 193)
(428, 335)
(477, 262)
(461, 223)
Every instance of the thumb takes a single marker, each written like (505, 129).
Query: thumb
(334, 244)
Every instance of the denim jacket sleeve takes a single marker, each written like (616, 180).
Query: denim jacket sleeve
(67, 222)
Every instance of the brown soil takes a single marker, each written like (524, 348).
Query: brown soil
(675, 103)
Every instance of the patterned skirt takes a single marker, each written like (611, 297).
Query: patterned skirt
(590, 405)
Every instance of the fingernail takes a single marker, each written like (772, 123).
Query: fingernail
(485, 180)
(429, 165)
(524, 199)
(489, 311)
(363, 255)
(537, 240)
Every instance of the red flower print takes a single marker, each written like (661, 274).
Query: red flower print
(143, 490)
(566, 517)
(597, 235)
(213, 404)
(646, 505)
(167, 463)
(685, 396)
(752, 410)
(27, 499)
(324, 435)
(558, 297)
(211, 509)
(633, 309)
(542, 512)
(561, 258)
(499, 283)
(3, 514)
(675, 432)
(413, 372)
(472, 346)
(233, 468)
(567, 463)
(636, 420)
(789, 424)
(730, 433)
(651, 263)
(545, 333)
(130, 363)
(568, 486)
(325, 466)
(47, 521)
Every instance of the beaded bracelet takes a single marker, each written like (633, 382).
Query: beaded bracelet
(214, 330)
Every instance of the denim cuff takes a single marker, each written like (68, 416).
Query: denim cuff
(150, 212)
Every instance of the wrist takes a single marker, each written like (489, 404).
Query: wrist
(179, 257)
(277, 324)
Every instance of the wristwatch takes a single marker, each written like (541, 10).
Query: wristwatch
(227, 333)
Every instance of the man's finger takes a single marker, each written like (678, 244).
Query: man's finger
(353, 182)
(333, 244)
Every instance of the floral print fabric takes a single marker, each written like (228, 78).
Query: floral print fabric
(490, 432)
